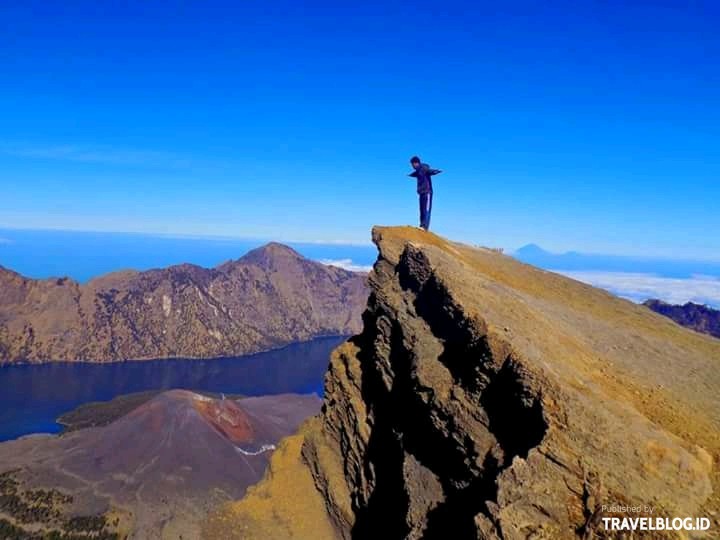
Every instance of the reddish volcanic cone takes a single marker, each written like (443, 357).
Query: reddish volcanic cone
(166, 462)
(227, 417)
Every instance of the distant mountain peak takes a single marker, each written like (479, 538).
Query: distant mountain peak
(266, 254)
(276, 248)
(272, 296)
(531, 249)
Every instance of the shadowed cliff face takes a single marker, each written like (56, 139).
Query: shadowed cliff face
(496, 400)
(270, 297)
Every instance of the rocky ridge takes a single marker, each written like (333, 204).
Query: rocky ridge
(495, 400)
(690, 315)
(270, 297)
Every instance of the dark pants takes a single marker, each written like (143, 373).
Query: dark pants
(425, 209)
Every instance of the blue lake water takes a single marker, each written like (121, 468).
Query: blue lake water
(33, 396)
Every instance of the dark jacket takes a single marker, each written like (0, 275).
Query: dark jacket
(423, 174)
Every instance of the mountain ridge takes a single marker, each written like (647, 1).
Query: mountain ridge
(698, 317)
(269, 298)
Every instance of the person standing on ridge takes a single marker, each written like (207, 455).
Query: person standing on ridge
(423, 174)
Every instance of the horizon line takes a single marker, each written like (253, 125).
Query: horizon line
(190, 236)
(350, 243)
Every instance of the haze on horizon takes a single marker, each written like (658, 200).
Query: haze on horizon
(578, 127)
(85, 255)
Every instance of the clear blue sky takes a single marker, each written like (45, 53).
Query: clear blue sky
(576, 125)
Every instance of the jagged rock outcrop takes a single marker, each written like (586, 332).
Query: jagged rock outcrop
(496, 400)
(691, 315)
(270, 297)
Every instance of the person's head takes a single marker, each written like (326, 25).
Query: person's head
(415, 162)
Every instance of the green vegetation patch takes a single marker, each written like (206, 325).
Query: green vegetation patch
(44, 507)
(102, 413)
(8, 531)
(30, 506)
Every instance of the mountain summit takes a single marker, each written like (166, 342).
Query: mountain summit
(531, 250)
(270, 255)
(494, 400)
(270, 297)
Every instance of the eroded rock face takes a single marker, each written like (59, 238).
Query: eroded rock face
(496, 400)
(270, 297)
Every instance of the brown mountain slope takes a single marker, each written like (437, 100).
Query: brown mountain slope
(161, 467)
(272, 296)
(694, 316)
(495, 400)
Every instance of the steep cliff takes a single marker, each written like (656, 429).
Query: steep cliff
(495, 400)
(270, 297)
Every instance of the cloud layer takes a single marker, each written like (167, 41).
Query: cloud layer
(347, 264)
(639, 287)
(634, 286)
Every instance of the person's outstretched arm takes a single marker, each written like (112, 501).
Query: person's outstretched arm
(433, 172)
(414, 174)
